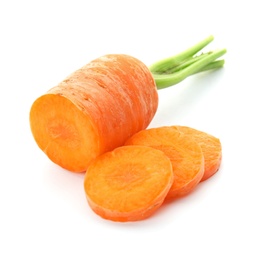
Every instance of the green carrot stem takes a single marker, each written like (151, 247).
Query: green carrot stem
(173, 70)
(168, 63)
(213, 65)
(184, 64)
(167, 80)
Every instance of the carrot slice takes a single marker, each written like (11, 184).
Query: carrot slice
(129, 183)
(185, 155)
(211, 148)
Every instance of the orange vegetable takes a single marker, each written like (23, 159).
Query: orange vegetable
(185, 155)
(94, 110)
(129, 183)
(211, 148)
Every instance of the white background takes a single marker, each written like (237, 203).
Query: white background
(43, 210)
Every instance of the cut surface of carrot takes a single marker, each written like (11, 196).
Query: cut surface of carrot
(129, 183)
(211, 148)
(63, 135)
(94, 110)
(185, 155)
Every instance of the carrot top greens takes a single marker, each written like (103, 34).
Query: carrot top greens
(172, 70)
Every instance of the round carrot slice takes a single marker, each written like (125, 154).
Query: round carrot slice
(129, 183)
(185, 155)
(211, 148)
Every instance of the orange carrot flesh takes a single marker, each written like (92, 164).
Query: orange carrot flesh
(185, 155)
(211, 148)
(63, 136)
(129, 183)
(99, 106)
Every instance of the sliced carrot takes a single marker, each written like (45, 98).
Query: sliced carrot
(129, 183)
(185, 155)
(211, 148)
(94, 110)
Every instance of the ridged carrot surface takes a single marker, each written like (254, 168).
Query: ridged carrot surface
(129, 183)
(211, 148)
(184, 153)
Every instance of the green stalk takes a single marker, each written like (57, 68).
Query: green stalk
(173, 70)
(213, 65)
(184, 64)
(168, 63)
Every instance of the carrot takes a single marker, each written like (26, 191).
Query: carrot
(185, 155)
(211, 148)
(129, 183)
(98, 107)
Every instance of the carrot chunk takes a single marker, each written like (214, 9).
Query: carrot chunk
(129, 183)
(211, 148)
(94, 110)
(185, 155)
